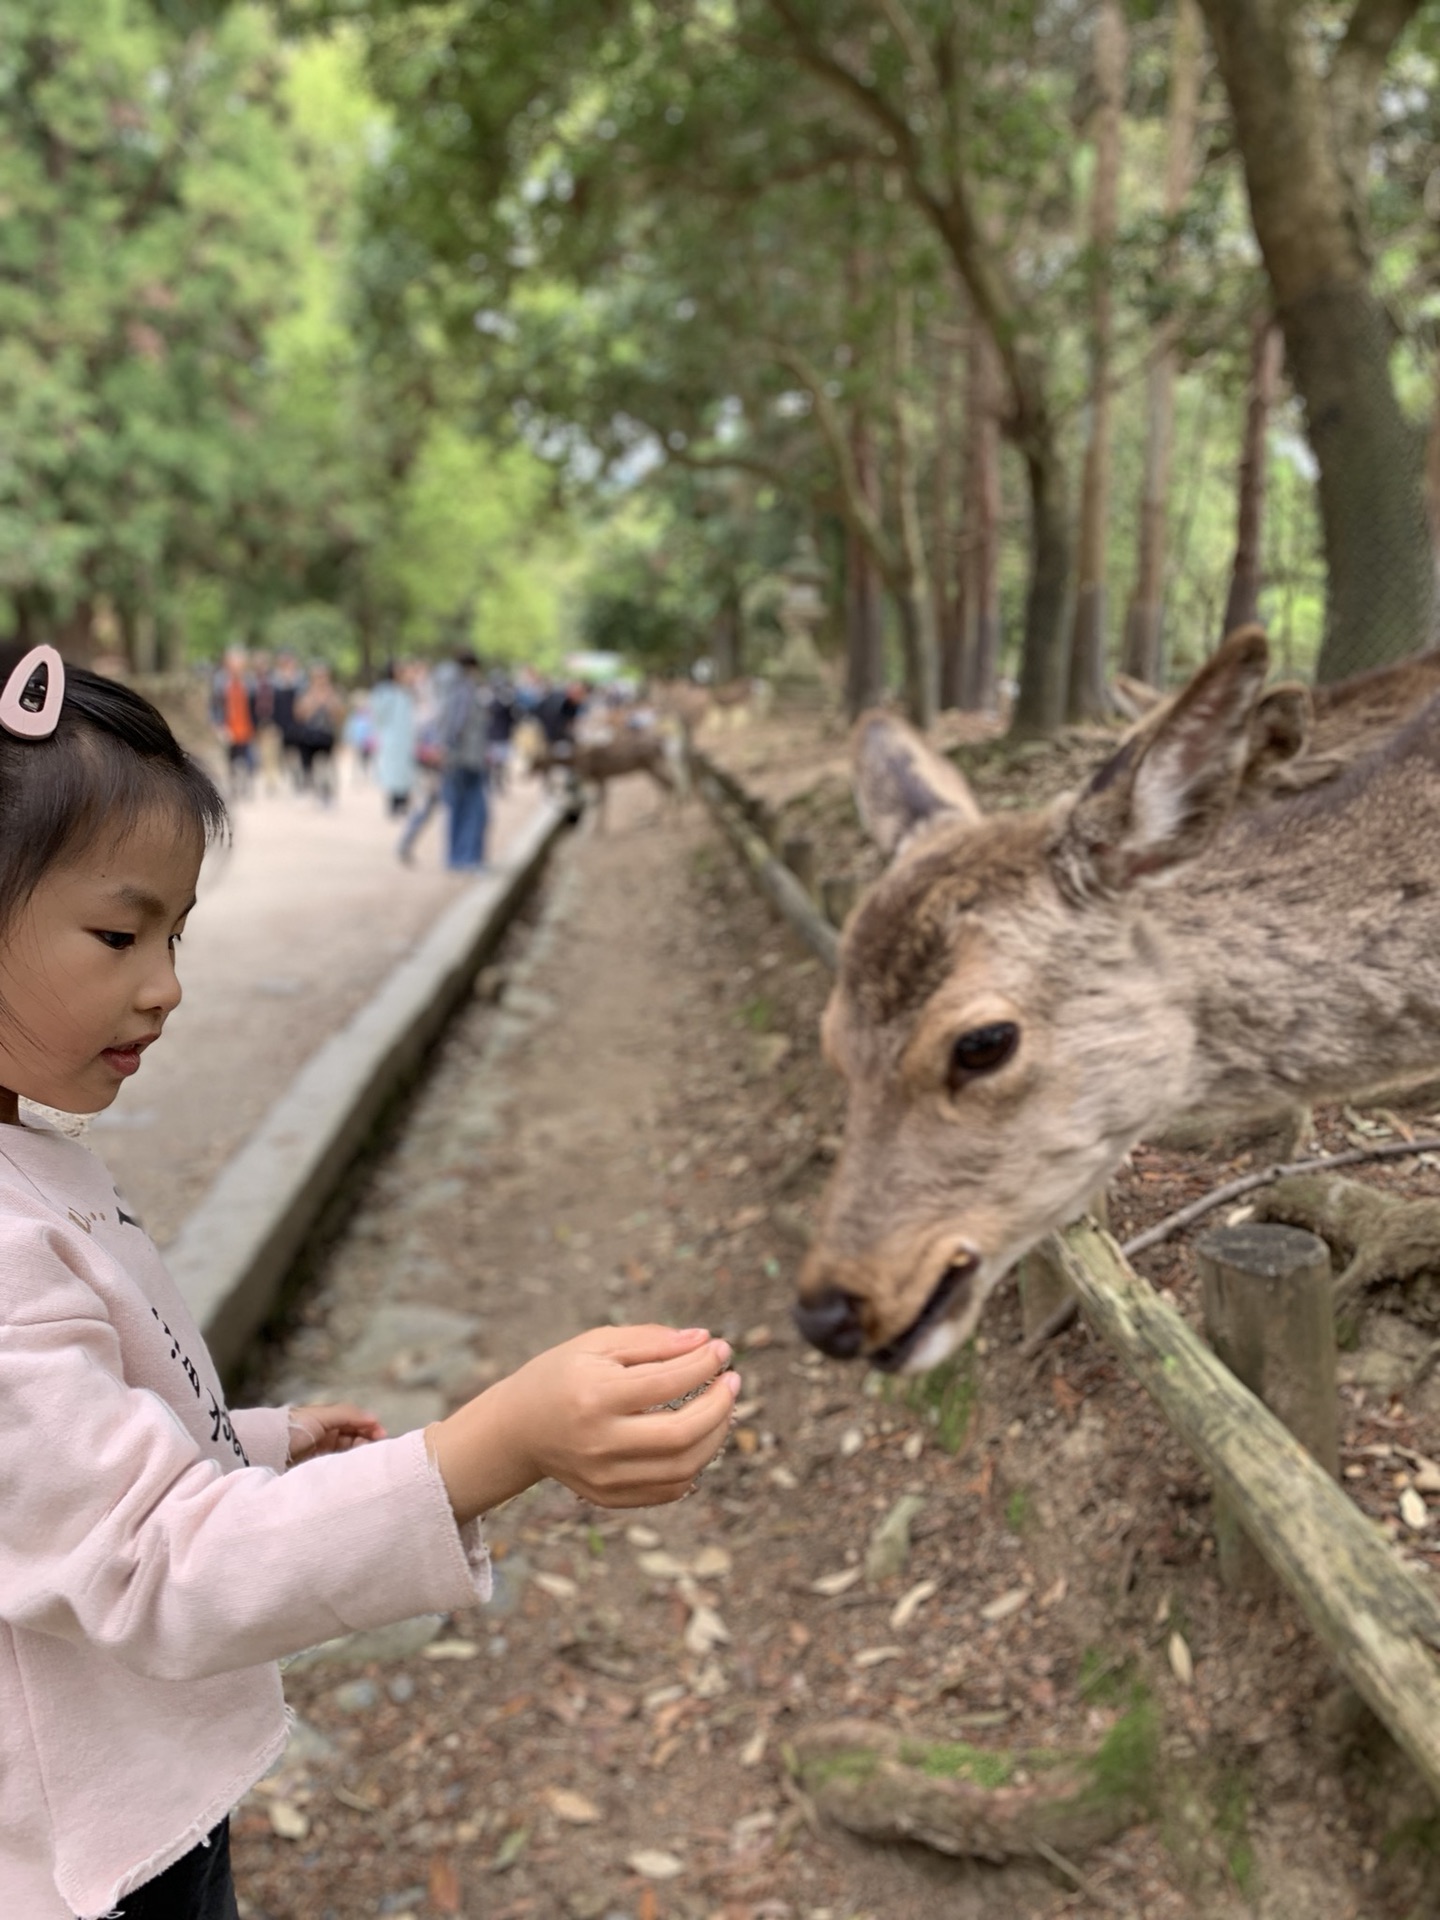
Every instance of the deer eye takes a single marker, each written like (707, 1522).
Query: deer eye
(981, 1050)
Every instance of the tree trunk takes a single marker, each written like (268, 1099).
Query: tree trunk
(946, 540)
(1432, 482)
(1142, 650)
(981, 558)
(1302, 139)
(864, 595)
(1045, 663)
(1242, 604)
(1089, 696)
(912, 589)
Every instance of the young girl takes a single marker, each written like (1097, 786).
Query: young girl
(158, 1552)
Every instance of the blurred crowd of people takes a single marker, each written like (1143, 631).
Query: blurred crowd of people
(428, 735)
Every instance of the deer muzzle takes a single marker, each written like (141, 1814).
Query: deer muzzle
(833, 1319)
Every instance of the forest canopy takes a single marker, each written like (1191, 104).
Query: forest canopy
(1068, 333)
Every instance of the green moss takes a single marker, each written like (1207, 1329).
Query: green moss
(1232, 1827)
(953, 1760)
(758, 1013)
(857, 1765)
(1126, 1765)
(1019, 1510)
(1420, 1835)
(1104, 1678)
(945, 1397)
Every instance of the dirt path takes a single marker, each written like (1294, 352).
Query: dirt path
(297, 924)
(639, 1130)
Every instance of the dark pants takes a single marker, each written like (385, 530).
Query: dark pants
(198, 1887)
(469, 815)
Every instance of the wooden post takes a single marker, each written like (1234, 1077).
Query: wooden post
(838, 894)
(797, 850)
(1270, 1316)
(1044, 1285)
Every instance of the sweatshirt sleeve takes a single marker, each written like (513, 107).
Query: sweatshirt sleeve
(116, 1530)
(264, 1432)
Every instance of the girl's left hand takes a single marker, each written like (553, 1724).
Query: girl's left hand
(334, 1429)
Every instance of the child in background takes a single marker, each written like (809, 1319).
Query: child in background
(159, 1552)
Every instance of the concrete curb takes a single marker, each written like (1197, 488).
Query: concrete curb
(231, 1256)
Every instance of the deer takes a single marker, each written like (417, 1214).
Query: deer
(597, 762)
(1020, 999)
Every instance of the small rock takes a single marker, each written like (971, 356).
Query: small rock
(400, 1689)
(653, 1863)
(889, 1548)
(356, 1696)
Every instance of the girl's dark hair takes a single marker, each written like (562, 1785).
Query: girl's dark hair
(111, 761)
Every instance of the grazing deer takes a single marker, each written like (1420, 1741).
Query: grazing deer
(597, 762)
(1020, 999)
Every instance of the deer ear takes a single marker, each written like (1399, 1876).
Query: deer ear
(1279, 729)
(901, 784)
(1159, 801)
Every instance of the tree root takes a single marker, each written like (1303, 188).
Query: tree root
(1382, 1237)
(993, 1804)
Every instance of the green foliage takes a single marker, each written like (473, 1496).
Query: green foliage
(314, 631)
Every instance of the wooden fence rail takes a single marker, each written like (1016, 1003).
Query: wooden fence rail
(1379, 1620)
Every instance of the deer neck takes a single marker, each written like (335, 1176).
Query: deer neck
(1306, 947)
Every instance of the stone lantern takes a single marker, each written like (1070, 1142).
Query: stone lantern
(799, 673)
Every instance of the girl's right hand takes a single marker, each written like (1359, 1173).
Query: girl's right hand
(592, 1414)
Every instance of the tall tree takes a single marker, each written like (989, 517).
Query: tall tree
(1089, 699)
(1304, 125)
(1142, 655)
(1242, 603)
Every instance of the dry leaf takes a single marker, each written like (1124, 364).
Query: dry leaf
(711, 1563)
(760, 1336)
(753, 1751)
(1181, 1663)
(661, 1565)
(510, 1849)
(1427, 1474)
(909, 1604)
(287, 1821)
(1004, 1605)
(1413, 1511)
(705, 1631)
(652, 1863)
(877, 1656)
(558, 1585)
(830, 1584)
(444, 1888)
(646, 1538)
(450, 1650)
(571, 1807)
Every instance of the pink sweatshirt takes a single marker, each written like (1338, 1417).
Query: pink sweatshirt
(154, 1563)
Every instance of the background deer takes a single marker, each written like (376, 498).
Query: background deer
(1022, 998)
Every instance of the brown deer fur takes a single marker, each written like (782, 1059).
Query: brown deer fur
(1156, 949)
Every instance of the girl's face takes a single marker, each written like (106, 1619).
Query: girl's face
(87, 977)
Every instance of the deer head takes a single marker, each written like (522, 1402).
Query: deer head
(1003, 1014)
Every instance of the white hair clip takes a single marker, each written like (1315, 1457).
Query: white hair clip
(33, 695)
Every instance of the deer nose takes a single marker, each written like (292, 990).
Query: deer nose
(831, 1322)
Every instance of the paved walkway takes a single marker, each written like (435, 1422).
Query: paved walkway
(297, 924)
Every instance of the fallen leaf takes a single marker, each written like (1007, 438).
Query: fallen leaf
(711, 1563)
(705, 1631)
(287, 1821)
(753, 1751)
(510, 1849)
(649, 1905)
(909, 1604)
(831, 1584)
(573, 1808)
(645, 1538)
(1427, 1474)
(661, 1565)
(1182, 1664)
(1052, 1596)
(746, 1439)
(877, 1656)
(760, 1336)
(450, 1650)
(1004, 1604)
(653, 1863)
(444, 1887)
(1413, 1511)
(558, 1585)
